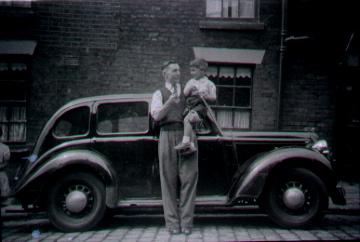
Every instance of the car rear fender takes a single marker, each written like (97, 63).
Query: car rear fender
(72, 161)
(252, 175)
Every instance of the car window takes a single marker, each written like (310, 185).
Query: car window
(126, 117)
(73, 123)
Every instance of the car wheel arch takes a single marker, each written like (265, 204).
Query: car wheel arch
(91, 162)
(256, 175)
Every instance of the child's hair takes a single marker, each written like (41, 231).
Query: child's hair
(199, 63)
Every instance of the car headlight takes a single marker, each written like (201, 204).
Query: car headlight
(321, 146)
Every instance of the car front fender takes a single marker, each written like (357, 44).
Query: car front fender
(253, 174)
(67, 161)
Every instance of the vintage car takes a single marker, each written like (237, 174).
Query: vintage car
(100, 153)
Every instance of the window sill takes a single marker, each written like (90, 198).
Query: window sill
(225, 24)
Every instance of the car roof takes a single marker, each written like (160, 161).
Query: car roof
(134, 97)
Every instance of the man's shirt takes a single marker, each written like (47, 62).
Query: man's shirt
(157, 100)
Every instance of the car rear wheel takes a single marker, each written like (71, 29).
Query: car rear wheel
(295, 198)
(76, 202)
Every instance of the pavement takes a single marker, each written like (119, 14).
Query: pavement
(340, 223)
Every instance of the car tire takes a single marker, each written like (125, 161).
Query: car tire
(76, 202)
(295, 198)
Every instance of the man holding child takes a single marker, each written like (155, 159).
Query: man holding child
(167, 108)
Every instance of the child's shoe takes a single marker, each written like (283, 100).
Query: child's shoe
(189, 150)
(182, 146)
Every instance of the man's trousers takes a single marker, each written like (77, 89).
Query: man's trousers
(177, 172)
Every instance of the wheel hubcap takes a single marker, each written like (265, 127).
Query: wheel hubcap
(294, 198)
(76, 201)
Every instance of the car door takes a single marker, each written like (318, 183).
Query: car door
(217, 164)
(122, 136)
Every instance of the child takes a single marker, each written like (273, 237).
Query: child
(195, 111)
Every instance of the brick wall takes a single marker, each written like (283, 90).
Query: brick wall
(99, 47)
(308, 98)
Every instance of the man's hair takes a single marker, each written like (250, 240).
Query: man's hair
(199, 63)
(165, 64)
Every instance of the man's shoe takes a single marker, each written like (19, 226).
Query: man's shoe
(186, 231)
(182, 146)
(174, 231)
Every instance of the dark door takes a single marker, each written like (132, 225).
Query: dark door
(122, 136)
(348, 121)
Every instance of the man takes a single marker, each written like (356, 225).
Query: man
(167, 108)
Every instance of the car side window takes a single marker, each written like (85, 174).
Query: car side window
(73, 123)
(125, 117)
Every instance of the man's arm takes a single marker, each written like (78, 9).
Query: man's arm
(158, 109)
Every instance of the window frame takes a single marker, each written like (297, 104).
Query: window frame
(114, 102)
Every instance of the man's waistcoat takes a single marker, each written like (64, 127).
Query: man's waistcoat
(175, 114)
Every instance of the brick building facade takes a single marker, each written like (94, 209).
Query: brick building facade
(97, 47)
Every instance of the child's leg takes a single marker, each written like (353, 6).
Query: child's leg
(189, 134)
(188, 129)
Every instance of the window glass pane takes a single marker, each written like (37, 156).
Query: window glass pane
(213, 8)
(224, 118)
(226, 75)
(243, 72)
(226, 8)
(242, 81)
(241, 119)
(18, 114)
(225, 96)
(72, 123)
(226, 71)
(235, 8)
(242, 97)
(123, 117)
(3, 114)
(17, 132)
(4, 136)
(225, 81)
(212, 71)
(247, 8)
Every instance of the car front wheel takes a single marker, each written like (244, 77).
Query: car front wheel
(295, 198)
(76, 202)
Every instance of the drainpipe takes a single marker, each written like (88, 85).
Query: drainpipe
(281, 62)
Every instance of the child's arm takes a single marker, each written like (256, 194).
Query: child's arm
(188, 89)
(210, 95)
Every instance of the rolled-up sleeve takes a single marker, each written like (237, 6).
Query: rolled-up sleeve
(156, 105)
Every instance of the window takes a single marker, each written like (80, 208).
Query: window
(243, 9)
(232, 71)
(234, 88)
(73, 123)
(122, 118)
(13, 96)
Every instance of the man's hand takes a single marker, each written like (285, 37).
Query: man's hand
(173, 99)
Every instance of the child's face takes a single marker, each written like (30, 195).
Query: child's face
(196, 73)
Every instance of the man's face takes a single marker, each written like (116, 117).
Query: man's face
(172, 73)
